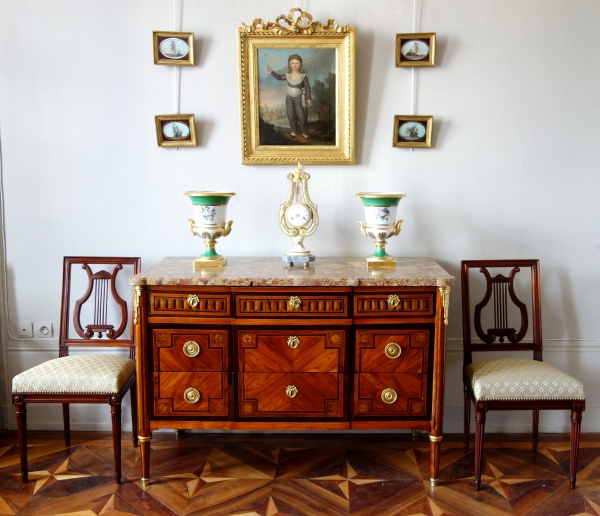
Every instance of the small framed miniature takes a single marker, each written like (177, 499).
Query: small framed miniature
(175, 130)
(416, 49)
(412, 130)
(173, 48)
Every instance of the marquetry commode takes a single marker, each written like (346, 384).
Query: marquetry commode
(259, 345)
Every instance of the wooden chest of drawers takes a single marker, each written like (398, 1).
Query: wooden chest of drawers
(258, 346)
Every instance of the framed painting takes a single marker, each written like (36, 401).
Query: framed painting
(173, 48)
(297, 80)
(412, 131)
(415, 49)
(175, 130)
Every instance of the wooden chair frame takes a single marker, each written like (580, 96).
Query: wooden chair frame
(487, 343)
(20, 400)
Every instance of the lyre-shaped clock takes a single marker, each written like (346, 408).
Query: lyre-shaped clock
(298, 217)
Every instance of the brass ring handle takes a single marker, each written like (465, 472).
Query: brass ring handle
(393, 300)
(393, 350)
(191, 349)
(293, 342)
(389, 396)
(291, 391)
(193, 300)
(191, 395)
(295, 302)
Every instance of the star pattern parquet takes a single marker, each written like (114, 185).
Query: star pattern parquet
(283, 474)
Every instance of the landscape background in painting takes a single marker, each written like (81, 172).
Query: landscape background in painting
(319, 65)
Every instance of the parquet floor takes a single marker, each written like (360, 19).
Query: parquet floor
(292, 474)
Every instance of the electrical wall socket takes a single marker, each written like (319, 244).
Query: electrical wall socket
(24, 329)
(42, 330)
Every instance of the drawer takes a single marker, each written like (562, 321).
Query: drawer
(184, 350)
(199, 394)
(295, 305)
(390, 304)
(392, 351)
(189, 303)
(291, 395)
(291, 350)
(406, 394)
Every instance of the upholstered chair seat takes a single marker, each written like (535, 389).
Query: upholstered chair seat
(89, 374)
(521, 379)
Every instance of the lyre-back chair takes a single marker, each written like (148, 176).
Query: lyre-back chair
(511, 383)
(85, 377)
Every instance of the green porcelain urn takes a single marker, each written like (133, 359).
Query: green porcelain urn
(210, 210)
(380, 223)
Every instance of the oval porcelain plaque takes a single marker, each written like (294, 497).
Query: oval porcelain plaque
(174, 48)
(411, 131)
(176, 131)
(415, 50)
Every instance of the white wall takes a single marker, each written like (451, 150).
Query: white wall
(513, 171)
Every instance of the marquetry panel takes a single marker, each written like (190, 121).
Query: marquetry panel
(170, 394)
(266, 305)
(399, 304)
(410, 389)
(267, 395)
(185, 350)
(189, 303)
(291, 350)
(392, 351)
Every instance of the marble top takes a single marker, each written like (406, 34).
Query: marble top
(272, 272)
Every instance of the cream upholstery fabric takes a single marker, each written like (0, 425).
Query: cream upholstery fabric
(89, 373)
(521, 379)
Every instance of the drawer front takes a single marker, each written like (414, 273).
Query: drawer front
(184, 350)
(404, 394)
(296, 305)
(291, 395)
(291, 350)
(198, 394)
(388, 351)
(390, 304)
(189, 304)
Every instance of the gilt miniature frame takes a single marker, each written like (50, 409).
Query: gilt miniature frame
(175, 130)
(173, 48)
(412, 130)
(297, 80)
(416, 49)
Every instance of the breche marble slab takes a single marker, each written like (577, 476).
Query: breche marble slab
(267, 272)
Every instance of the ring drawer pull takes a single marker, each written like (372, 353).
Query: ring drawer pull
(393, 300)
(191, 349)
(291, 391)
(389, 396)
(295, 302)
(393, 350)
(193, 300)
(191, 395)
(293, 342)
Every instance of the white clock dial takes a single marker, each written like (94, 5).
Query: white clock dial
(297, 215)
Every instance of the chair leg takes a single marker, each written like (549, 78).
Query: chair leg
(534, 438)
(67, 423)
(21, 413)
(480, 410)
(115, 412)
(575, 432)
(467, 417)
(134, 420)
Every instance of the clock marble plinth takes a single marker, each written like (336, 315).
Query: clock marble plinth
(305, 260)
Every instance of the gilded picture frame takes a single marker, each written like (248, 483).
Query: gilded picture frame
(415, 49)
(412, 130)
(173, 48)
(297, 91)
(175, 130)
